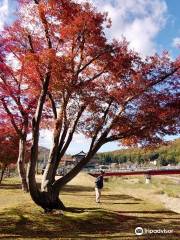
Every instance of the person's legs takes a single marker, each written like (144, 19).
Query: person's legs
(98, 194)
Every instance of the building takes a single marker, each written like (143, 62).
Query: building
(67, 160)
(91, 164)
(77, 157)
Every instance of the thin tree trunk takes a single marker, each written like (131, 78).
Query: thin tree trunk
(2, 172)
(8, 172)
(21, 164)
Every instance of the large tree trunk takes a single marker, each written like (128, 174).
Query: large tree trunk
(44, 199)
(2, 172)
(21, 164)
(50, 200)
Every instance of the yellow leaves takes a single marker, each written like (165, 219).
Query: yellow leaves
(44, 57)
(31, 57)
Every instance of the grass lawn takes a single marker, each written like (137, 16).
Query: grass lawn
(126, 204)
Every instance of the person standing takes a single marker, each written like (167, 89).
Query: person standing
(99, 186)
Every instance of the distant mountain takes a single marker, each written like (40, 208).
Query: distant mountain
(165, 154)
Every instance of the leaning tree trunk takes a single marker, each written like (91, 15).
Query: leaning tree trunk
(2, 172)
(49, 196)
(21, 164)
(47, 199)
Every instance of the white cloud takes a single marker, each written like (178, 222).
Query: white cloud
(3, 13)
(176, 42)
(138, 20)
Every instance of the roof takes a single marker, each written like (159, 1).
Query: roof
(79, 154)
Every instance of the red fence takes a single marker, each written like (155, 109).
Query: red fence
(149, 172)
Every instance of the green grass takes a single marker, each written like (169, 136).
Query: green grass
(116, 217)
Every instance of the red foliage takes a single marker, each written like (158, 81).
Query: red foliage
(125, 97)
(8, 144)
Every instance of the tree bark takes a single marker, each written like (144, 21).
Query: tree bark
(48, 177)
(43, 199)
(21, 164)
(2, 172)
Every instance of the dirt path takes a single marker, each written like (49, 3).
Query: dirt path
(170, 203)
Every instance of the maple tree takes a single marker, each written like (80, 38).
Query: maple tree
(15, 96)
(89, 85)
(21, 75)
(8, 146)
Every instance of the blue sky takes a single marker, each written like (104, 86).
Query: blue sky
(171, 31)
(149, 25)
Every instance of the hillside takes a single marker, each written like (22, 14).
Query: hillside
(166, 154)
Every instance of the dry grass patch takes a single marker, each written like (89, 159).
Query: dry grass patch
(115, 218)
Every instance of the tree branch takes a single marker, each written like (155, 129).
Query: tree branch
(45, 24)
(100, 126)
(11, 118)
(130, 98)
(53, 105)
(37, 1)
(61, 153)
(92, 60)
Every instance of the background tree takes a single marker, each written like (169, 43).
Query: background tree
(21, 77)
(8, 147)
(16, 101)
(103, 90)
(169, 150)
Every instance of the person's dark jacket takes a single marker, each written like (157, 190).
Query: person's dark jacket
(99, 182)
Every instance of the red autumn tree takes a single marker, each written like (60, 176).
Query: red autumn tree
(8, 146)
(101, 89)
(16, 99)
(21, 77)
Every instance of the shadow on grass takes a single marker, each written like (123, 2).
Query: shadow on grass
(70, 189)
(126, 203)
(119, 197)
(150, 212)
(90, 223)
(80, 210)
(10, 186)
